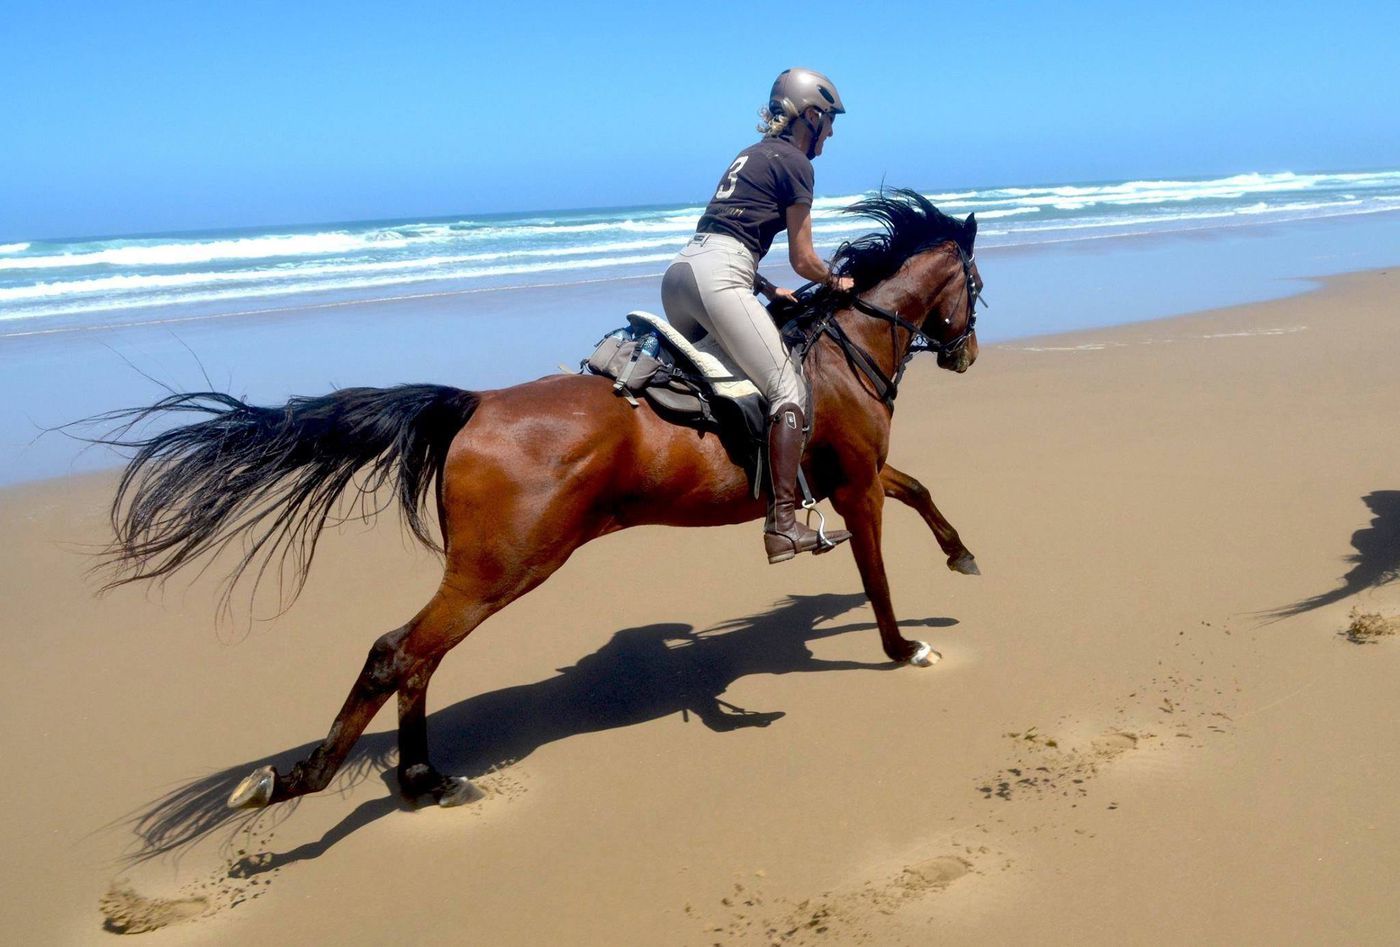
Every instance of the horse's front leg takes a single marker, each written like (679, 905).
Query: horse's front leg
(904, 488)
(862, 509)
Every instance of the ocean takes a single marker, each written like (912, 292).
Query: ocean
(90, 325)
(58, 285)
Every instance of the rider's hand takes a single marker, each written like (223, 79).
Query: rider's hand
(784, 303)
(842, 284)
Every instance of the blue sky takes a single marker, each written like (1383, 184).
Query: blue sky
(149, 116)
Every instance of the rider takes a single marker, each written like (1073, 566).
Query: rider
(710, 286)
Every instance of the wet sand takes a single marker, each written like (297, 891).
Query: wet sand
(1147, 726)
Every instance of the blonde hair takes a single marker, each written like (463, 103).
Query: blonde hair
(773, 126)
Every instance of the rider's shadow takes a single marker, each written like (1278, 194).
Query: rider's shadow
(641, 674)
(1377, 559)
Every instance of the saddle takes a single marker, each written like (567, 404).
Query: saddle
(694, 384)
(685, 381)
(697, 385)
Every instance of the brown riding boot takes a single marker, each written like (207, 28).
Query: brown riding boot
(783, 536)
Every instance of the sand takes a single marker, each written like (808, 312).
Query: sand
(1149, 724)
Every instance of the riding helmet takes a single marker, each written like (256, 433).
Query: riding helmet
(796, 89)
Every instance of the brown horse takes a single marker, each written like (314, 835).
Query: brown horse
(525, 475)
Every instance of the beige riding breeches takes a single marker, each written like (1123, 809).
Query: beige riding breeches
(708, 289)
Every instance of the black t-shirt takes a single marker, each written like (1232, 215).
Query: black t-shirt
(755, 192)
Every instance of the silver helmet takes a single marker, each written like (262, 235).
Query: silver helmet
(796, 89)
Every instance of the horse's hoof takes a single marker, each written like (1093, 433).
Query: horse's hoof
(964, 564)
(925, 656)
(459, 791)
(256, 789)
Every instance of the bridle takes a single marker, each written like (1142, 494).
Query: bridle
(920, 342)
(886, 388)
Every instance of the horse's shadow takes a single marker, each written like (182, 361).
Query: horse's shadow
(1377, 559)
(642, 674)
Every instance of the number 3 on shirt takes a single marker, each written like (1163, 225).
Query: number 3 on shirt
(731, 179)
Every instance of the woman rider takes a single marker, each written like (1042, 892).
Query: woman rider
(710, 286)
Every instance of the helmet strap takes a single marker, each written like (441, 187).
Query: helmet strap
(816, 131)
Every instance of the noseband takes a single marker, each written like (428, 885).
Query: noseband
(887, 388)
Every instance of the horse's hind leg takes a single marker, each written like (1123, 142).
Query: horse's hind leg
(403, 658)
(904, 488)
(483, 578)
(517, 574)
(417, 775)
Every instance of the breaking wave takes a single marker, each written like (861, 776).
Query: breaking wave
(39, 279)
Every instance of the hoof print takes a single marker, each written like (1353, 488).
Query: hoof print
(126, 912)
(934, 873)
(459, 792)
(1114, 744)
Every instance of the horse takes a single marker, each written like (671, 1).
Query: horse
(523, 476)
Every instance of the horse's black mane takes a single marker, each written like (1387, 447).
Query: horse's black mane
(911, 224)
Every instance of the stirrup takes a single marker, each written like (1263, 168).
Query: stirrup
(826, 542)
(809, 503)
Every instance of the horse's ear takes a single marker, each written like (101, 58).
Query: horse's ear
(970, 228)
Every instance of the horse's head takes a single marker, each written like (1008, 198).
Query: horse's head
(926, 257)
(951, 324)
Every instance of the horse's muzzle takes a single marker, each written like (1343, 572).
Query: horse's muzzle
(961, 360)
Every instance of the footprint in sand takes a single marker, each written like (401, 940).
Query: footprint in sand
(754, 918)
(127, 912)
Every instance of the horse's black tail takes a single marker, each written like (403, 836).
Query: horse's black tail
(273, 475)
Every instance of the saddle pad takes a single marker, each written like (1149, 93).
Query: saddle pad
(707, 357)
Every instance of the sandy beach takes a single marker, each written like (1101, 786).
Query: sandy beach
(1147, 726)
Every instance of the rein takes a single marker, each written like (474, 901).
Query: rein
(887, 388)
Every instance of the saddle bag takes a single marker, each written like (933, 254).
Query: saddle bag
(632, 363)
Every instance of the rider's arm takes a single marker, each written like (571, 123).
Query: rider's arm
(802, 256)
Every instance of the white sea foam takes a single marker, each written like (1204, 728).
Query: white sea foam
(1007, 212)
(99, 275)
(212, 251)
(1235, 187)
(1075, 199)
(107, 303)
(1251, 333)
(1165, 222)
(126, 290)
(1046, 236)
(115, 291)
(675, 225)
(195, 253)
